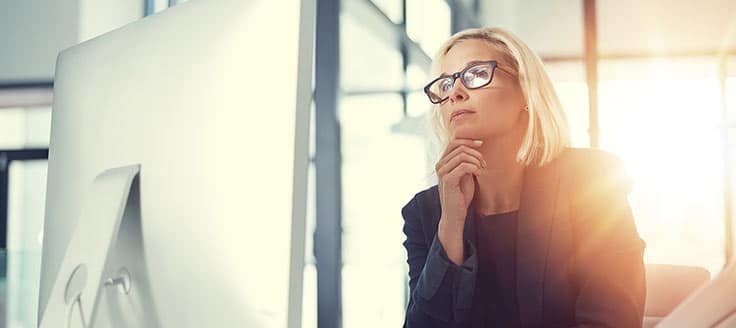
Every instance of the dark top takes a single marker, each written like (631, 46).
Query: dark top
(578, 254)
(496, 245)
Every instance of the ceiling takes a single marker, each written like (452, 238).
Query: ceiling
(554, 28)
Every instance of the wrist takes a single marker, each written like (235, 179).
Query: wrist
(451, 227)
(450, 235)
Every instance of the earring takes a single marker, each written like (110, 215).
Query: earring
(526, 108)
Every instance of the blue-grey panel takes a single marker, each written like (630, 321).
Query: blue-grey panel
(328, 234)
(33, 33)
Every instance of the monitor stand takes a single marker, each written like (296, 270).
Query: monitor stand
(105, 257)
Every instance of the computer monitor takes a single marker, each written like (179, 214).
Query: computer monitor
(177, 173)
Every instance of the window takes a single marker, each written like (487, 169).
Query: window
(384, 157)
(569, 82)
(382, 170)
(22, 128)
(663, 118)
(428, 23)
(367, 63)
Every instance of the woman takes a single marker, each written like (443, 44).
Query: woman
(521, 230)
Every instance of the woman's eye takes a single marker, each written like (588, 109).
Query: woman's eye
(479, 73)
(445, 85)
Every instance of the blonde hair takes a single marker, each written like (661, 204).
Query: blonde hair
(547, 132)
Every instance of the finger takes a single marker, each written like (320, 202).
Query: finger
(454, 143)
(457, 161)
(459, 171)
(454, 161)
(462, 149)
(459, 150)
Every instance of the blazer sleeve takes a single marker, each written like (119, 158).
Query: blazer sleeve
(609, 252)
(440, 292)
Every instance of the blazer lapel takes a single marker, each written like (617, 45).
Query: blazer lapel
(535, 219)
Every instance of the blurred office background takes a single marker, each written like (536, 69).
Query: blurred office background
(652, 81)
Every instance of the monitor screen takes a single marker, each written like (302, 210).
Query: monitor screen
(210, 101)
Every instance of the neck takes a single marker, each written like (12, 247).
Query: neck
(499, 184)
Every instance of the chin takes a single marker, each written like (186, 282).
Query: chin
(467, 131)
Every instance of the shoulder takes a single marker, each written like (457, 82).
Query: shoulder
(595, 168)
(424, 204)
(426, 197)
(429, 195)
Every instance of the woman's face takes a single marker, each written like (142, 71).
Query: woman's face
(498, 108)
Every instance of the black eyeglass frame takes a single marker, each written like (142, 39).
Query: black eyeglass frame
(456, 75)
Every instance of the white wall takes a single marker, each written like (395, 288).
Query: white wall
(32, 32)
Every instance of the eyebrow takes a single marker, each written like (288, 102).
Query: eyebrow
(475, 62)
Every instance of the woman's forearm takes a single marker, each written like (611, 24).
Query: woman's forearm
(450, 235)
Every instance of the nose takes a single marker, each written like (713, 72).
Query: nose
(458, 92)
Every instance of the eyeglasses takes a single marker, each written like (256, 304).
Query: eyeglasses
(474, 76)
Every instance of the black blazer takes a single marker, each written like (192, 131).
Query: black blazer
(579, 255)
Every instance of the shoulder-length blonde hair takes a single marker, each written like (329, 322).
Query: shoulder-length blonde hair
(547, 133)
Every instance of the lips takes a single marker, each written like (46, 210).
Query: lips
(460, 112)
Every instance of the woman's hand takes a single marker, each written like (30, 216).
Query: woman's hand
(460, 161)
